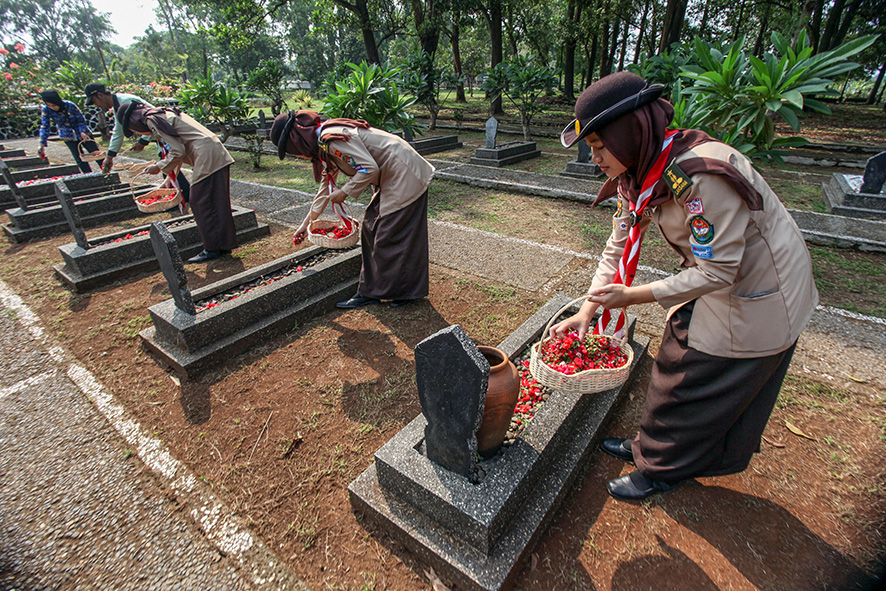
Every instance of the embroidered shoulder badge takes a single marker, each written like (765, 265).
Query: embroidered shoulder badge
(702, 230)
(694, 206)
(323, 146)
(677, 180)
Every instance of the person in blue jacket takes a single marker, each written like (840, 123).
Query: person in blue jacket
(71, 126)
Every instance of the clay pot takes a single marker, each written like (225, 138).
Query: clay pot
(501, 398)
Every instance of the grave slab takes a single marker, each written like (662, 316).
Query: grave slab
(46, 220)
(476, 536)
(843, 196)
(432, 145)
(44, 172)
(505, 154)
(13, 153)
(191, 343)
(25, 162)
(582, 167)
(41, 192)
(106, 260)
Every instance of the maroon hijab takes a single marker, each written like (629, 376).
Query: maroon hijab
(302, 139)
(635, 139)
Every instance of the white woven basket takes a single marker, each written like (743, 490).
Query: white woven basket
(589, 381)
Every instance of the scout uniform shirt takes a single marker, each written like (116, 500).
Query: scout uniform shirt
(378, 158)
(195, 145)
(749, 271)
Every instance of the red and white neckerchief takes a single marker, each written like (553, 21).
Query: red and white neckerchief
(627, 266)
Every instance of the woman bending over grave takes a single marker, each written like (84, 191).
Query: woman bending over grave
(394, 233)
(192, 144)
(737, 307)
(71, 126)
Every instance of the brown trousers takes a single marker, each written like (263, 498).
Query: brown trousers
(704, 415)
(395, 252)
(211, 204)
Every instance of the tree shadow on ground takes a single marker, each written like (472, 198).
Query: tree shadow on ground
(768, 545)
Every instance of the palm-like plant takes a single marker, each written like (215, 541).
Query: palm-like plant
(213, 102)
(524, 83)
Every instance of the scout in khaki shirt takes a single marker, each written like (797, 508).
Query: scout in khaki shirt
(192, 144)
(394, 232)
(736, 309)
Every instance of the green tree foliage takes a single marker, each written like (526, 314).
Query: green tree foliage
(369, 92)
(422, 78)
(21, 80)
(524, 83)
(214, 103)
(270, 78)
(59, 29)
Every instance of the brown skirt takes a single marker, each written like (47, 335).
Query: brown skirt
(395, 252)
(704, 415)
(211, 204)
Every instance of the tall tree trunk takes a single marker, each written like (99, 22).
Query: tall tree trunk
(831, 26)
(454, 36)
(702, 27)
(604, 48)
(493, 22)
(764, 24)
(569, 54)
(592, 59)
(624, 46)
(872, 97)
(848, 17)
(673, 23)
(613, 45)
(361, 11)
(639, 48)
(814, 27)
(738, 21)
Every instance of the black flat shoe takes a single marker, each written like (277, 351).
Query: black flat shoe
(635, 487)
(398, 303)
(205, 255)
(356, 302)
(618, 448)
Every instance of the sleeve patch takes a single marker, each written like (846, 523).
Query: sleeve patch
(702, 230)
(703, 252)
(694, 206)
(678, 181)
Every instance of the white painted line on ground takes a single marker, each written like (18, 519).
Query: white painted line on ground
(211, 515)
(25, 384)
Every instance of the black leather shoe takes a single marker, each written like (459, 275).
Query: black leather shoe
(205, 255)
(618, 448)
(398, 303)
(635, 487)
(356, 302)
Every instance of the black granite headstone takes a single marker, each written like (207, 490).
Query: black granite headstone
(584, 152)
(71, 214)
(874, 174)
(407, 134)
(13, 187)
(173, 269)
(452, 377)
(262, 121)
(491, 132)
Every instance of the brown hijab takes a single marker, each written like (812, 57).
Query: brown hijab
(134, 116)
(635, 139)
(302, 138)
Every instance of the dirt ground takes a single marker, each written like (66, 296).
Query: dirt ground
(281, 431)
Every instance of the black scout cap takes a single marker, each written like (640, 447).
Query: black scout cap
(92, 89)
(606, 100)
(280, 129)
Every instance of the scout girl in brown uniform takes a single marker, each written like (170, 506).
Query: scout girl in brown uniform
(737, 307)
(394, 233)
(192, 144)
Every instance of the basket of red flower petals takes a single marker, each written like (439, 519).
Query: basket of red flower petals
(595, 364)
(156, 200)
(343, 233)
(91, 156)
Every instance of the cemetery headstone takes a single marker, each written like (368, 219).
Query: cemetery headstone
(584, 152)
(407, 134)
(874, 174)
(452, 377)
(71, 214)
(13, 188)
(173, 269)
(491, 132)
(262, 121)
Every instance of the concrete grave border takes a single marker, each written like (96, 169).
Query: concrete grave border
(477, 535)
